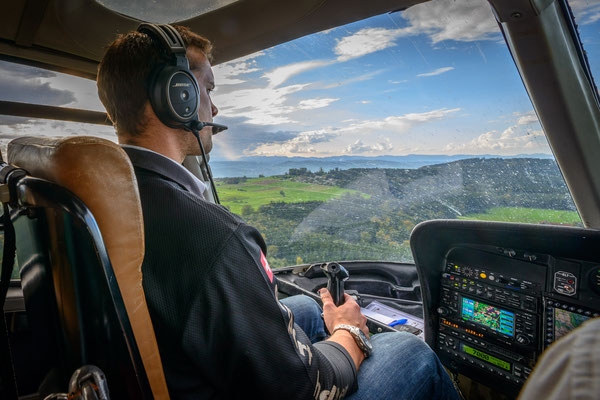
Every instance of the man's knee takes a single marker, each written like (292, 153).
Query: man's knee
(404, 348)
(301, 304)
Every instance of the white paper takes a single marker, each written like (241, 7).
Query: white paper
(377, 316)
(387, 315)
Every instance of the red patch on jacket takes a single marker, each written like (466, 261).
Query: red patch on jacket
(265, 264)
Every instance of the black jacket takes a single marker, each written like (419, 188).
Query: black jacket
(212, 297)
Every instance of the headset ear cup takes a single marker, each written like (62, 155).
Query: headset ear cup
(173, 94)
(182, 94)
(156, 96)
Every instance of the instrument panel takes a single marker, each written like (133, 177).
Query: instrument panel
(498, 294)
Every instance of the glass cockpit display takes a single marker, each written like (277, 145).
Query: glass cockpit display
(565, 321)
(492, 317)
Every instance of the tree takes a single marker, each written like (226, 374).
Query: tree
(247, 210)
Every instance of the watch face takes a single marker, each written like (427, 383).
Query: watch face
(361, 339)
(365, 340)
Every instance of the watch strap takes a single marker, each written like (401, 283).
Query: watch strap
(358, 338)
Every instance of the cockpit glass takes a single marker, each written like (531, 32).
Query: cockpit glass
(587, 18)
(30, 85)
(340, 142)
(164, 11)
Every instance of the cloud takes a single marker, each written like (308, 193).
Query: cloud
(241, 138)
(261, 106)
(360, 78)
(9, 120)
(586, 11)
(516, 138)
(464, 21)
(366, 41)
(229, 73)
(402, 122)
(438, 71)
(359, 147)
(278, 76)
(19, 126)
(26, 84)
(301, 144)
(524, 118)
(250, 57)
(311, 104)
(527, 119)
(268, 104)
(397, 82)
(24, 71)
(351, 138)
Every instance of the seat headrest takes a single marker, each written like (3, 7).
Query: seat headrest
(99, 173)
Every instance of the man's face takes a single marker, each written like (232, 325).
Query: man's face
(200, 67)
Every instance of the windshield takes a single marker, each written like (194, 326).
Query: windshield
(342, 141)
(587, 18)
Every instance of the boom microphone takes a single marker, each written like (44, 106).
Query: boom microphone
(216, 128)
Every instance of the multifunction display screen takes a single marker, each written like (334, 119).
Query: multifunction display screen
(494, 318)
(565, 321)
(485, 357)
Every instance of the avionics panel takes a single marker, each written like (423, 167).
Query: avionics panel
(489, 316)
(475, 274)
(562, 317)
(486, 357)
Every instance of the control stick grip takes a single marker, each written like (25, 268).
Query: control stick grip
(336, 275)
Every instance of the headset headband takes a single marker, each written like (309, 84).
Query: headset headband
(169, 39)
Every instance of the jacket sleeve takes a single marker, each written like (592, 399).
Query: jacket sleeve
(252, 345)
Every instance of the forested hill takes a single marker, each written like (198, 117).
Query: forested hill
(461, 187)
(369, 213)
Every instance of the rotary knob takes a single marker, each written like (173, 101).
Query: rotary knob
(442, 311)
(523, 340)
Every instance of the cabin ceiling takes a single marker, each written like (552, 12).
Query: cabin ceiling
(71, 35)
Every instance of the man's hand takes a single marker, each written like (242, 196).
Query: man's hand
(348, 313)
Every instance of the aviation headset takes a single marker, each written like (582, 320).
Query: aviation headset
(173, 90)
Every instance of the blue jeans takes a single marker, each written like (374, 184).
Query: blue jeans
(401, 366)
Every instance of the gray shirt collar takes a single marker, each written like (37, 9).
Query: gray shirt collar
(147, 159)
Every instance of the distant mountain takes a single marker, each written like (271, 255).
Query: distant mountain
(267, 166)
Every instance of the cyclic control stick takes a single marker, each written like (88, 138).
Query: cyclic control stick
(336, 275)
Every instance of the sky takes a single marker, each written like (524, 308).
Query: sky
(436, 78)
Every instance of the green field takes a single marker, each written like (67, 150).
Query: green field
(260, 191)
(527, 215)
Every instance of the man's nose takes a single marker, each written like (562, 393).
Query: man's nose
(214, 109)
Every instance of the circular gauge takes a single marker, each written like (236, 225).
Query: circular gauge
(594, 279)
(467, 271)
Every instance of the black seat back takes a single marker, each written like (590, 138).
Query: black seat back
(72, 298)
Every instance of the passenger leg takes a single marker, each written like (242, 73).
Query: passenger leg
(402, 367)
(307, 314)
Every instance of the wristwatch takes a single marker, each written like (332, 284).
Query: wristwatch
(362, 341)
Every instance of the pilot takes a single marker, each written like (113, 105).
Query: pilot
(212, 296)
